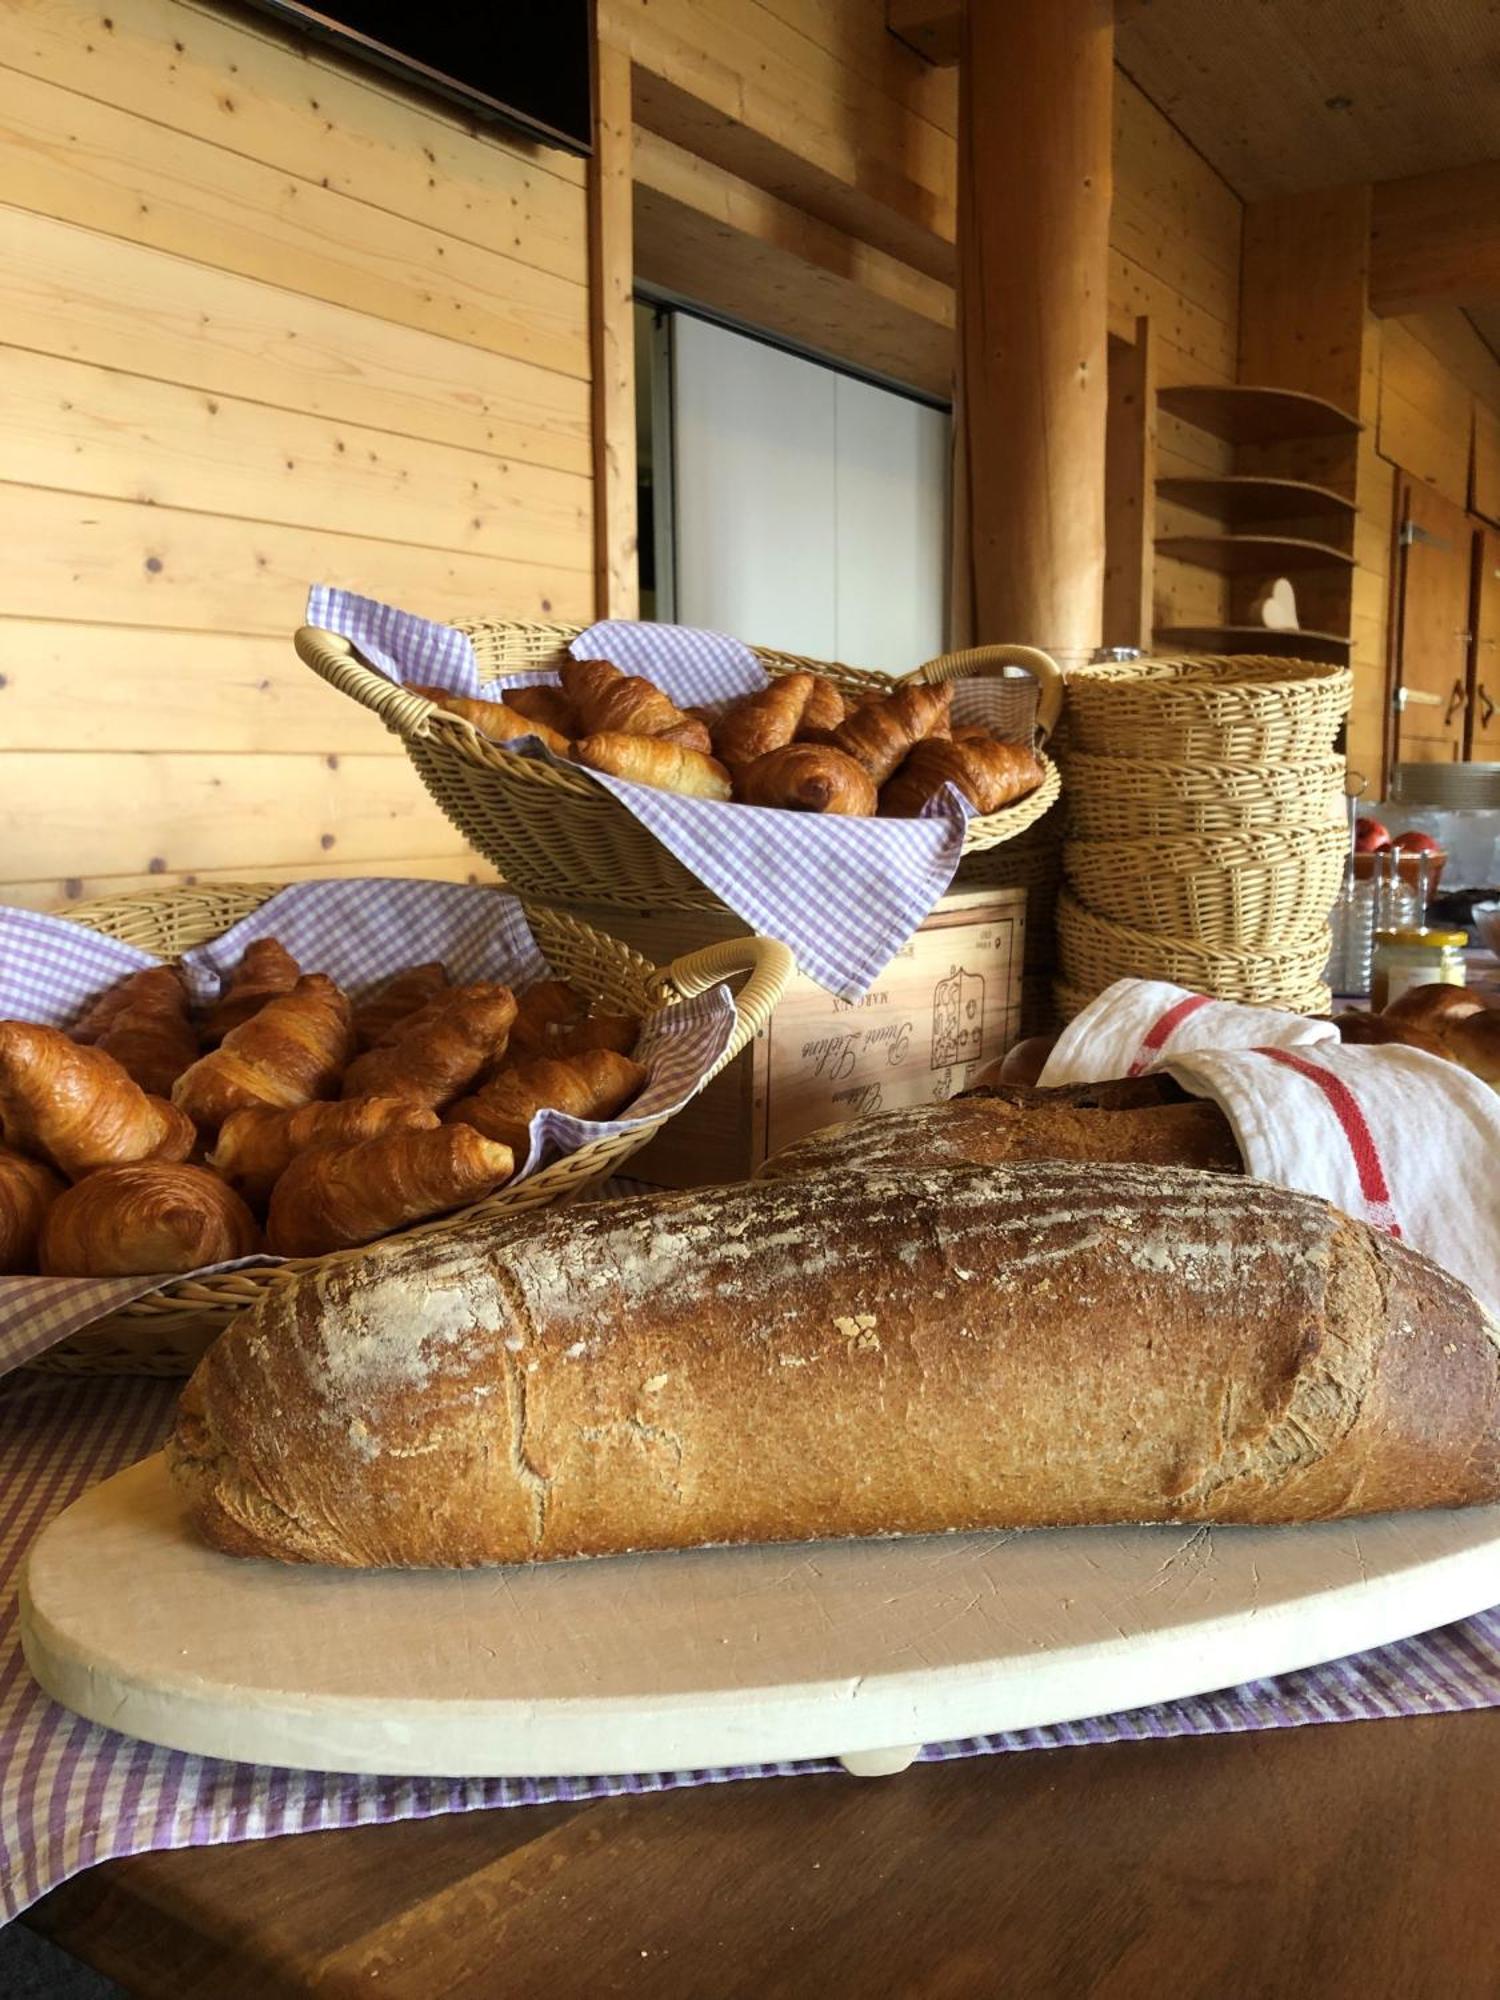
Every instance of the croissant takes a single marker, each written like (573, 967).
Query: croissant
(763, 721)
(100, 1013)
(619, 1032)
(495, 719)
(333, 1197)
(27, 1190)
(545, 704)
(548, 1005)
(610, 703)
(255, 1147)
(150, 1035)
(645, 760)
(689, 734)
(77, 1108)
(878, 737)
(597, 1085)
(988, 774)
(266, 972)
(440, 1051)
(386, 1012)
(825, 706)
(288, 1053)
(126, 1221)
(808, 777)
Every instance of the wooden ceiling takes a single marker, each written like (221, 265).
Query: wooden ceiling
(1285, 95)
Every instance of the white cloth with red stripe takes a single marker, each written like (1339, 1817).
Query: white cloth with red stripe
(1135, 1024)
(1393, 1136)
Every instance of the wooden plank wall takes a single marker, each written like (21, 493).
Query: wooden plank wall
(796, 167)
(266, 322)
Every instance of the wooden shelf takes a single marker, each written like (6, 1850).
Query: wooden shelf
(1240, 414)
(1255, 639)
(1247, 501)
(1237, 555)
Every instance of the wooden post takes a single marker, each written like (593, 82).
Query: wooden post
(611, 282)
(1035, 128)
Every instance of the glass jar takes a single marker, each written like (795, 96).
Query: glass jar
(1415, 958)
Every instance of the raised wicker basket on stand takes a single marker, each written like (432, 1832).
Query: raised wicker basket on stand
(166, 1332)
(557, 835)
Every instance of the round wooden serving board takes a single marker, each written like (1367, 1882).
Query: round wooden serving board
(862, 1650)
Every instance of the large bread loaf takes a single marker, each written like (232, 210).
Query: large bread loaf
(829, 1356)
(1148, 1121)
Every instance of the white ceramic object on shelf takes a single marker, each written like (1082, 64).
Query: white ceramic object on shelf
(857, 1650)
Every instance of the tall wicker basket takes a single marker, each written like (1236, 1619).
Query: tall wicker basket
(552, 831)
(166, 1332)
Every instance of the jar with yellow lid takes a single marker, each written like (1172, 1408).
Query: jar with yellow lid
(1415, 958)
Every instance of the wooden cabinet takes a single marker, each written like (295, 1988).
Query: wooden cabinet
(1432, 644)
(1483, 745)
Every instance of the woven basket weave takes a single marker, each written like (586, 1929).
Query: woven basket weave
(1093, 953)
(1239, 709)
(166, 1332)
(1136, 798)
(1227, 893)
(559, 837)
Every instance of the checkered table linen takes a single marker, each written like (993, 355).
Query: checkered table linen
(72, 1793)
(358, 932)
(844, 894)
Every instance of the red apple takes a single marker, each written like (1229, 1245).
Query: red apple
(1417, 843)
(1370, 836)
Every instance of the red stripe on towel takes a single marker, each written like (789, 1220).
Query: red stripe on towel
(1372, 1182)
(1162, 1030)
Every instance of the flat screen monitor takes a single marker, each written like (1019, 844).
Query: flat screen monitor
(523, 63)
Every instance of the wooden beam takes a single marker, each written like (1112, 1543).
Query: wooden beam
(1130, 490)
(1037, 83)
(934, 28)
(722, 241)
(1435, 240)
(611, 285)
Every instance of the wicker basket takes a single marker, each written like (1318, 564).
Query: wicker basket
(1093, 953)
(1229, 893)
(166, 1332)
(1134, 798)
(1240, 709)
(555, 834)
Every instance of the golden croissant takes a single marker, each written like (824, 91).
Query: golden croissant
(440, 1050)
(382, 1016)
(333, 1197)
(256, 1146)
(128, 1221)
(597, 1084)
(27, 1190)
(147, 1029)
(76, 1107)
(265, 972)
(289, 1052)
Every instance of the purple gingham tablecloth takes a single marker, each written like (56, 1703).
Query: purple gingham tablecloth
(844, 894)
(72, 1793)
(358, 932)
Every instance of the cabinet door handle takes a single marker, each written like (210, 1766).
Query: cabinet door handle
(1407, 697)
(1458, 701)
(1486, 707)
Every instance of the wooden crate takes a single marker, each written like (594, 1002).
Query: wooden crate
(948, 1003)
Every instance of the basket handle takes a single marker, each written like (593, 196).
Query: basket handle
(767, 961)
(333, 659)
(975, 660)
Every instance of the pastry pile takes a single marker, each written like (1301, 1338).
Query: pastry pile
(797, 744)
(288, 1119)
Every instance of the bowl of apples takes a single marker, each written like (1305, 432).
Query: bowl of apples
(1372, 840)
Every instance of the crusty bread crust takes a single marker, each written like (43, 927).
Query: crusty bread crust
(1007, 1122)
(844, 1355)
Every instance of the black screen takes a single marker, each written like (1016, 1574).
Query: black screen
(527, 63)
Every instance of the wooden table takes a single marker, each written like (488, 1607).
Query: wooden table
(1352, 1859)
